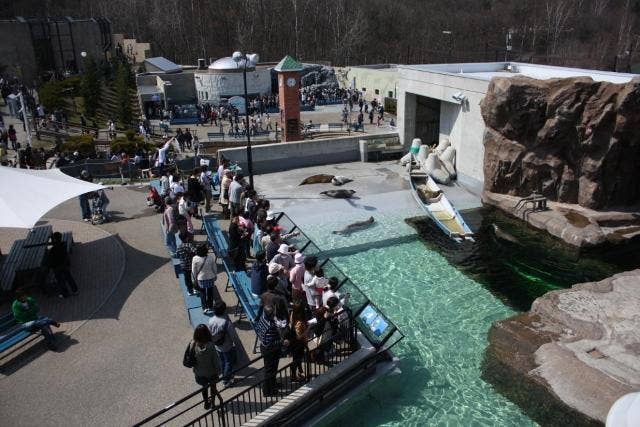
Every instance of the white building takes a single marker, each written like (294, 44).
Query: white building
(223, 80)
(438, 101)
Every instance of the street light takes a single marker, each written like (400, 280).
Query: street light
(164, 92)
(242, 59)
(450, 34)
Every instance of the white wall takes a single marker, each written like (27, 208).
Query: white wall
(462, 124)
(216, 84)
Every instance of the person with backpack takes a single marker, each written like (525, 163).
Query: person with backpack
(201, 356)
(223, 333)
(186, 251)
(204, 271)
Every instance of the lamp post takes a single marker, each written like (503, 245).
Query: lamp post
(243, 59)
(450, 35)
(164, 92)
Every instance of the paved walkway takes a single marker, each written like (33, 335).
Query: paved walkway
(127, 360)
(98, 265)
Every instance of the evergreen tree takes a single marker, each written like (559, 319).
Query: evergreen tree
(90, 87)
(123, 95)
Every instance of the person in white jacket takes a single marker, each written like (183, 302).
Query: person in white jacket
(204, 271)
(313, 289)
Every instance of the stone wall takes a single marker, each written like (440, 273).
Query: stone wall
(568, 359)
(574, 140)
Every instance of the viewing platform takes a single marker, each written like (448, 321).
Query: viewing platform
(360, 349)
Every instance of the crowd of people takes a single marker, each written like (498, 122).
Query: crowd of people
(298, 305)
(313, 96)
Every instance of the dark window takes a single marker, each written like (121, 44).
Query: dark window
(364, 89)
(377, 91)
(390, 94)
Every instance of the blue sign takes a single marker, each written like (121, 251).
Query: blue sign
(374, 321)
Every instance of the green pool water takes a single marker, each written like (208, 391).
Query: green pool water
(444, 297)
(445, 317)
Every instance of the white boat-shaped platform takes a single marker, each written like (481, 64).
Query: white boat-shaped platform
(437, 206)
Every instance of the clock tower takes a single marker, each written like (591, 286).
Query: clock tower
(289, 98)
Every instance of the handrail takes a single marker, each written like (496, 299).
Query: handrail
(342, 351)
(354, 326)
(189, 396)
(394, 328)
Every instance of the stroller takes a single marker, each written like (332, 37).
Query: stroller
(155, 200)
(99, 202)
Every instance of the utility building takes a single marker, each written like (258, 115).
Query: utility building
(442, 101)
(34, 48)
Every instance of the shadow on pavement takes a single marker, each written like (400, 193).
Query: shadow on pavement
(33, 348)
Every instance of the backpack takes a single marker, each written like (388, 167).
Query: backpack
(223, 334)
(177, 220)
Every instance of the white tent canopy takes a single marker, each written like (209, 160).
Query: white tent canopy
(28, 194)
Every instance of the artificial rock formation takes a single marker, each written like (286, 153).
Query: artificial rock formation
(574, 140)
(314, 76)
(573, 354)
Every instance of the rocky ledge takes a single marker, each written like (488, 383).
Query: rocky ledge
(568, 359)
(576, 225)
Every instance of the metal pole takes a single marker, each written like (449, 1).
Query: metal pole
(246, 113)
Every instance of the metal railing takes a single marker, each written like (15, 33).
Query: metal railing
(364, 317)
(242, 406)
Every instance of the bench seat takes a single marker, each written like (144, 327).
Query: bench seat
(10, 332)
(190, 301)
(215, 236)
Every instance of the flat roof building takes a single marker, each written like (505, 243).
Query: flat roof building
(36, 48)
(442, 101)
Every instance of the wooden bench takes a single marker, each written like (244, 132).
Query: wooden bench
(190, 301)
(261, 133)
(215, 135)
(248, 305)
(26, 256)
(336, 126)
(34, 247)
(215, 236)
(11, 332)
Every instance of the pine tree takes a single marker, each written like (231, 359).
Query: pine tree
(90, 87)
(123, 99)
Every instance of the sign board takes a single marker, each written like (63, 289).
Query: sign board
(204, 162)
(373, 320)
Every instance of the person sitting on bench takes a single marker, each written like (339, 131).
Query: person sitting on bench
(25, 311)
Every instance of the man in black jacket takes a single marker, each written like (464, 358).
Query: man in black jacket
(58, 260)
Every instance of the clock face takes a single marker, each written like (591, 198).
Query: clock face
(291, 81)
